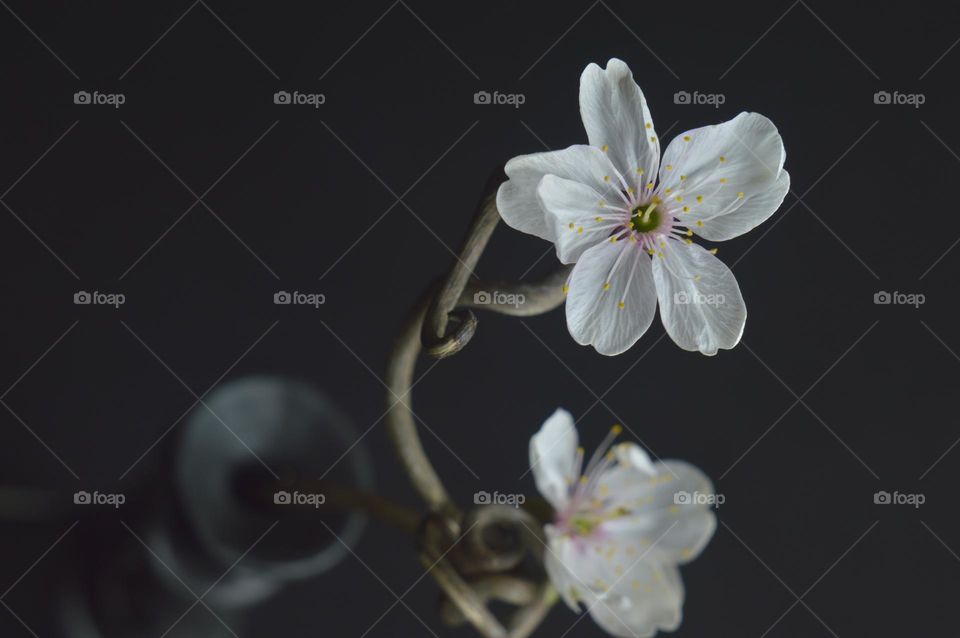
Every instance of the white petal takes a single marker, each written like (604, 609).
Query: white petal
(671, 521)
(632, 456)
(646, 599)
(735, 167)
(579, 220)
(627, 594)
(700, 301)
(570, 588)
(615, 115)
(606, 276)
(517, 197)
(553, 451)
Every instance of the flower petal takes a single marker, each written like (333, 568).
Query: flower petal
(579, 214)
(646, 599)
(567, 584)
(553, 452)
(729, 176)
(635, 598)
(616, 116)
(517, 197)
(611, 298)
(671, 518)
(700, 302)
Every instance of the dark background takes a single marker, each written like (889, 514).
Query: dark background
(828, 399)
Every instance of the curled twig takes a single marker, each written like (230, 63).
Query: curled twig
(496, 538)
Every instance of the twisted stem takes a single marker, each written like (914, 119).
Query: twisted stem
(441, 324)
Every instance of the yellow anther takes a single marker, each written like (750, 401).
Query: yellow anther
(633, 238)
(688, 241)
(653, 139)
(699, 198)
(604, 148)
(599, 219)
(679, 198)
(651, 251)
(669, 167)
(689, 233)
(649, 184)
(723, 180)
(683, 178)
(723, 159)
(657, 200)
(570, 225)
(713, 251)
(668, 190)
(620, 305)
(613, 240)
(686, 209)
(602, 203)
(566, 288)
(649, 125)
(696, 277)
(630, 189)
(700, 223)
(686, 138)
(583, 479)
(639, 171)
(606, 286)
(740, 194)
(660, 255)
(580, 229)
(616, 429)
(606, 178)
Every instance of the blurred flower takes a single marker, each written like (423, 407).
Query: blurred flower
(623, 524)
(626, 218)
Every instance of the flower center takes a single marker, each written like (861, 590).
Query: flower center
(583, 525)
(645, 219)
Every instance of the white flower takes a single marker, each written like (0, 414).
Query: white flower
(626, 218)
(622, 526)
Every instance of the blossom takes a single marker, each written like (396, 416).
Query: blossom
(622, 526)
(627, 218)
